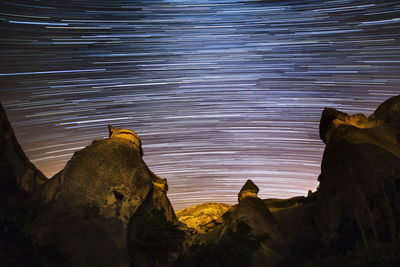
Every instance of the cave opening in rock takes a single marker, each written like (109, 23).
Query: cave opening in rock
(119, 196)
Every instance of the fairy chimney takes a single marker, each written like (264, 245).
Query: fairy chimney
(248, 190)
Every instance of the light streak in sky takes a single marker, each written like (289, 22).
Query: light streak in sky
(219, 91)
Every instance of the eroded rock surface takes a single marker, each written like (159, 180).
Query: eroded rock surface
(202, 214)
(89, 206)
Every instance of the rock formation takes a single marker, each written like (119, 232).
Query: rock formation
(18, 173)
(107, 208)
(96, 203)
(248, 190)
(202, 214)
(126, 134)
(388, 114)
(20, 181)
(352, 220)
(245, 235)
(360, 176)
(83, 215)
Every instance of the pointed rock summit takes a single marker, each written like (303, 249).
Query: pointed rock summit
(248, 190)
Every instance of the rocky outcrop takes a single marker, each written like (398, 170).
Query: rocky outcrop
(245, 235)
(18, 174)
(248, 190)
(126, 134)
(351, 220)
(155, 236)
(360, 177)
(92, 207)
(332, 118)
(20, 182)
(89, 204)
(202, 214)
(275, 204)
(90, 213)
(388, 114)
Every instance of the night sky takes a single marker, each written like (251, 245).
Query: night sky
(219, 91)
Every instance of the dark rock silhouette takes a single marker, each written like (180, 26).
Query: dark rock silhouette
(389, 115)
(20, 181)
(359, 173)
(106, 208)
(18, 174)
(248, 190)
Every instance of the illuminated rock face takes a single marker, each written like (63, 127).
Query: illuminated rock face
(202, 214)
(125, 134)
(356, 120)
(109, 174)
(332, 118)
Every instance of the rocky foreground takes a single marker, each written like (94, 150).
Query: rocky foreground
(106, 208)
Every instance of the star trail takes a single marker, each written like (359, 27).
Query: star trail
(219, 91)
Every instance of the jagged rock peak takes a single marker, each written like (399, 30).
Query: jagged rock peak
(248, 190)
